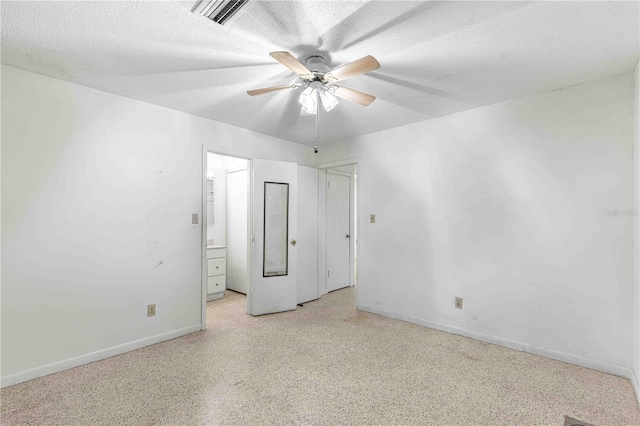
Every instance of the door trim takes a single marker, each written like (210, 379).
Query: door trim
(203, 242)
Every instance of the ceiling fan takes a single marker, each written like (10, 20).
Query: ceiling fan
(319, 81)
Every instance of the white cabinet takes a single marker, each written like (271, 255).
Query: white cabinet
(216, 272)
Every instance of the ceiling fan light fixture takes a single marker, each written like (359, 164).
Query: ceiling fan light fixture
(308, 100)
(329, 101)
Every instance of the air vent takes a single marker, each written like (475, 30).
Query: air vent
(219, 11)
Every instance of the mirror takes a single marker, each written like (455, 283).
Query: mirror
(276, 229)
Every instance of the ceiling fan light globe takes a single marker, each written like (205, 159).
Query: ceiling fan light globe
(308, 100)
(329, 101)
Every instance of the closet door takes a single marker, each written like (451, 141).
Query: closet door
(338, 231)
(237, 229)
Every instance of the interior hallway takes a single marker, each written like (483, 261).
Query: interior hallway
(325, 363)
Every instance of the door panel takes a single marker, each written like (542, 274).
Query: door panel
(276, 293)
(308, 234)
(237, 200)
(338, 237)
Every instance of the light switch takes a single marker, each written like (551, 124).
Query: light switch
(194, 218)
(372, 218)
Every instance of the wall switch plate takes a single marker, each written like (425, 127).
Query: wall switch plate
(372, 218)
(458, 302)
(194, 218)
(151, 310)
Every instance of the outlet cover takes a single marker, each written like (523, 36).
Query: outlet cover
(372, 218)
(458, 302)
(194, 219)
(151, 310)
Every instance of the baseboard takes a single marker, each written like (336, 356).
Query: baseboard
(66, 364)
(215, 296)
(520, 346)
(636, 385)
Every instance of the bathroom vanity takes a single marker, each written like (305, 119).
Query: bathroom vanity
(216, 272)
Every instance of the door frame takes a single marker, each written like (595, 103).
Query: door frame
(203, 229)
(322, 225)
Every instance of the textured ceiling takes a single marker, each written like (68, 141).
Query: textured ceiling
(436, 57)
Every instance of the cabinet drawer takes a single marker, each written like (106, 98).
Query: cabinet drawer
(216, 253)
(216, 267)
(216, 284)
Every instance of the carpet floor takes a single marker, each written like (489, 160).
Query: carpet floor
(324, 364)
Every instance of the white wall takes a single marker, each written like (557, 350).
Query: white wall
(636, 233)
(97, 196)
(506, 206)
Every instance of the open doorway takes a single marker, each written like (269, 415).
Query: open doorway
(227, 227)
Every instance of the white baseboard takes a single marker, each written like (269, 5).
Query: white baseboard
(636, 385)
(66, 364)
(520, 346)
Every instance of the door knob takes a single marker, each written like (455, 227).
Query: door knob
(293, 242)
(348, 236)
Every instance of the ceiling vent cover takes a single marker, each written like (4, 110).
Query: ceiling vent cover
(219, 11)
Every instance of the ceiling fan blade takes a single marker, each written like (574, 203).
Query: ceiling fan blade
(353, 95)
(287, 59)
(268, 89)
(361, 66)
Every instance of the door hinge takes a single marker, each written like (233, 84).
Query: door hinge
(328, 273)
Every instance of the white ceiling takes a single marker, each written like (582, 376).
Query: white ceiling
(436, 57)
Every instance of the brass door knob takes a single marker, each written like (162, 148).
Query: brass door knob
(293, 242)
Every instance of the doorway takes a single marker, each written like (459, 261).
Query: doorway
(250, 240)
(339, 224)
(227, 226)
(239, 207)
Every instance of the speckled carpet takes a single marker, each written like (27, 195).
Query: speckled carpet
(324, 364)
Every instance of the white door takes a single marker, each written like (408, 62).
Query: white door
(237, 223)
(307, 234)
(338, 237)
(275, 208)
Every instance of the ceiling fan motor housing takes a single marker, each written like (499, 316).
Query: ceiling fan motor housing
(317, 65)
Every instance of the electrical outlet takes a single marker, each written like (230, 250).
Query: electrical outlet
(151, 310)
(372, 218)
(194, 218)
(458, 302)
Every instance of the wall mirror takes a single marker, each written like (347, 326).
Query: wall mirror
(276, 229)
